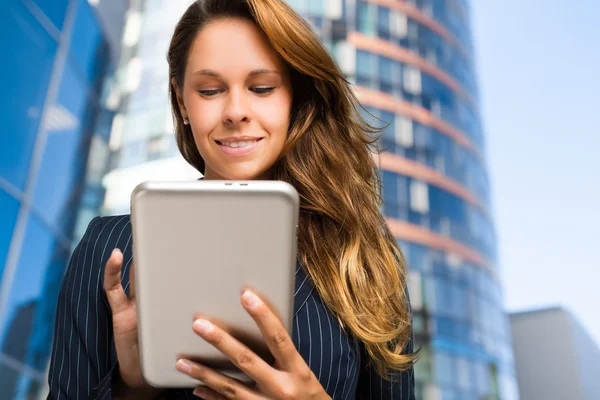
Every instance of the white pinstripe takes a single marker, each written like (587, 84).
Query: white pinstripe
(57, 333)
(300, 287)
(337, 381)
(298, 335)
(391, 389)
(348, 366)
(353, 370)
(101, 284)
(331, 350)
(124, 250)
(78, 303)
(78, 300)
(309, 338)
(108, 305)
(102, 385)
(71, 271)
(320, 338)
(105, 393)
(96, 301)
(394, 386)
(87, 314)
(127, 267)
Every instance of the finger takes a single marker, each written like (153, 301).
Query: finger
(276, 336)
(131, 282)
(222, 384)
(207, 393)
(112, 282)
(244, 358)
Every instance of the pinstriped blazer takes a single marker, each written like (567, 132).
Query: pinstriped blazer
(83, 359)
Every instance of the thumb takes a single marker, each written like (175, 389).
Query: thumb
(112, 282)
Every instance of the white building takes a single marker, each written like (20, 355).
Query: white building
(555, 357)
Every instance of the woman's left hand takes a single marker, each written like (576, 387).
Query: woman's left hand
(289, 377)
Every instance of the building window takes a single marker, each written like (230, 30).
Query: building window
(412, 80)
(333, 9)
(389, 188)
(386, 71)
(443, 367)
(383, 22)
(315, 7)
(389, 133)
(419, 197)
(367, 18)
(398, 25)
(404, 131)
(415, 292)
(365, 70)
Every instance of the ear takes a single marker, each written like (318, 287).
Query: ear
(179, 95)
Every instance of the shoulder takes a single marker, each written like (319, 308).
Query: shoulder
(98, 226)
(102, 235)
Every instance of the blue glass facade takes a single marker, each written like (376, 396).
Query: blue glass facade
(55, 60)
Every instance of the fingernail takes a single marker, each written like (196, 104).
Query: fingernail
(250, 299)
(199, 392)
(184, 366)
(115, 251)
(202, 326)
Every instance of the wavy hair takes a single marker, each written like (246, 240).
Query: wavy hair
(343, 240)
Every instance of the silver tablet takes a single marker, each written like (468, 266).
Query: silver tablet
(196, 246)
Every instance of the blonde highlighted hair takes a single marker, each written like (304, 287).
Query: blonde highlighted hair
(343, 240)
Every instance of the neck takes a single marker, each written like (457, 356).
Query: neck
(211, 176)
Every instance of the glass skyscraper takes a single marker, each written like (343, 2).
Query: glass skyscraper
(412, 64)
(55, 56)
(414, 69)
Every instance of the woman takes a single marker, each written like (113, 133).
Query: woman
(256, 96)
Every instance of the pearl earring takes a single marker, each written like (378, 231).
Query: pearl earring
(185, 121)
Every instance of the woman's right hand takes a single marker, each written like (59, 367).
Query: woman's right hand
(124, 318)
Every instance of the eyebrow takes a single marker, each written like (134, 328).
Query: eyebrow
(210, 72)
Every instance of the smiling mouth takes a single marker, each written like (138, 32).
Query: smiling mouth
(238, 143)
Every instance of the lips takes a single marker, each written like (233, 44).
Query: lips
(238, 148)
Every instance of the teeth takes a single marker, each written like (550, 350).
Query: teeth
(239, 144)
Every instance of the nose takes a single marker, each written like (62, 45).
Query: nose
(236, 110)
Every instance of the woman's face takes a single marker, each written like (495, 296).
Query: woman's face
(237, 96)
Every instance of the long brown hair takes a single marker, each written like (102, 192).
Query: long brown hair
(343, 240)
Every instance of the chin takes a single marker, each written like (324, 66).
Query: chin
(244, 174)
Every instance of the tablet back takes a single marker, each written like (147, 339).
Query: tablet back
(196, 246)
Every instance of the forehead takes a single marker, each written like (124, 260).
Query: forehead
(232, 46)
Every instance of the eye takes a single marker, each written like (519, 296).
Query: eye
(262, 90)
(208, 92)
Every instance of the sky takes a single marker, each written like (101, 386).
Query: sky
(538, 65)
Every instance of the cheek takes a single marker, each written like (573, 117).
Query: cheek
(205, 119)
(275, 118)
